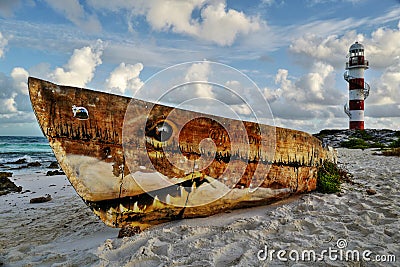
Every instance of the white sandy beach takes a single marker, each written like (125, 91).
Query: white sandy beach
(64, 232)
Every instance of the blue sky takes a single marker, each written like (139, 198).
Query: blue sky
(294, 51)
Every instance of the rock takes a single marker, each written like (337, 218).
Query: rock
(5, 174)
(34, 164)
(55, 172)
(18, 161)
(53, 165)
(374, 138)
(46, 198)
(6, 185)
(371, 192)
(129, 230)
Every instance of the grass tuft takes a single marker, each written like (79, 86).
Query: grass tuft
(392, 152)
(330, 178)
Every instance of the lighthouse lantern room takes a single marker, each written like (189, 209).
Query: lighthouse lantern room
(358, 88)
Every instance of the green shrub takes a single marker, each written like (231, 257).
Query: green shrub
(329, 178)
(358, 143)
(377, 145)
(395, 143)
(364, 135)
(355, 143)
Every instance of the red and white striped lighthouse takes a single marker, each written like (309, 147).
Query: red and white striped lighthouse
(358, 89)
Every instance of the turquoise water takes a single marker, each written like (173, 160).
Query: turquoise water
(30, 148)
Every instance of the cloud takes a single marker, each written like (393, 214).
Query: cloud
(386, 89)
(311, 101)
(298, 102)
(224, 26)
(268, 2)
(20, 78)
(3, 44)
(14, 99)
(7, 7)
(331, 49)
(81, 66)
(315, 87)
(381, 48)
(8, 105)
(15, 106)
(316, 2)
(7, 95)
(215, 22)
(199, 72)
(75, 13)
(125, 79)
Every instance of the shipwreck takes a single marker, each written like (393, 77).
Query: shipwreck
(141, 164)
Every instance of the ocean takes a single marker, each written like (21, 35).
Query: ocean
(30, 148)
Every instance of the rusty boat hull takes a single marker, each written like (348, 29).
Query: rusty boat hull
(139, 163)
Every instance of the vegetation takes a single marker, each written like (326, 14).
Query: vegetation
(329, 178)
(394, 148)
(327, 132)
(359, 143)
(363, 135)
(392, 152)
(395, 144)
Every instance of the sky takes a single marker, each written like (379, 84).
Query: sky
(293, 51)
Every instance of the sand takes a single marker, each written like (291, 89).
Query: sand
(64, 232)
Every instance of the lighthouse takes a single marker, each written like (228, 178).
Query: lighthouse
(358, 88)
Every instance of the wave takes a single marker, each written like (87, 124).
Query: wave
(13, 148)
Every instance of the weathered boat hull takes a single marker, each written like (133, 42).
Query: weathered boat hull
(139, 163)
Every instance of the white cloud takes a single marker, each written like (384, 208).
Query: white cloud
(223, 26)
(75, 12)
(315, 87)
(125, 78)
(199, 73)
(299, 102)
(242, 109)
(386, 89)
(81, 66)
(8, 105)
(3, 44)
(13, 93)
(216, 22)
(20, 77)
(331, 49)
(381, 49)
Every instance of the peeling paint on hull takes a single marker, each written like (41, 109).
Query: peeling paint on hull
(118, 159)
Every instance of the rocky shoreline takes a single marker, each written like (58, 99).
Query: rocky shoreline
(6, 185)
(368, 138)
